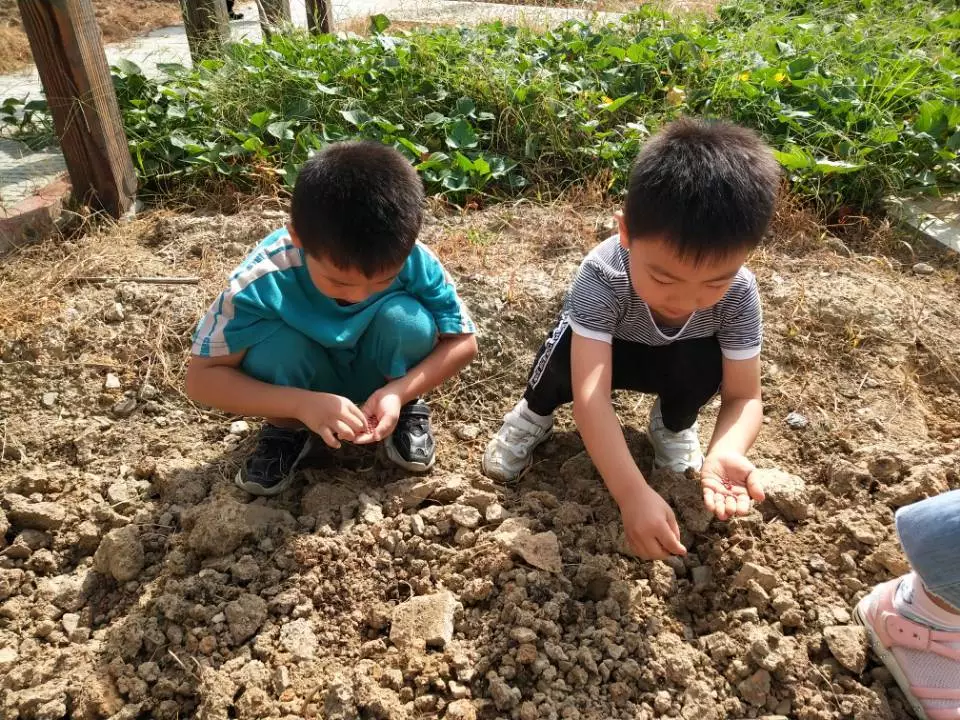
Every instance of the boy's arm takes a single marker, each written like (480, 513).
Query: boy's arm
(729, 481)
(219, 382)
(649, 522)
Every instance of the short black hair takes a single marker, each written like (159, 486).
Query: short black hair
(358, 204)
(707, 188)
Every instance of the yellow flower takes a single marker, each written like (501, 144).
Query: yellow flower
(780, 77)
(744, 76)
(606, 100)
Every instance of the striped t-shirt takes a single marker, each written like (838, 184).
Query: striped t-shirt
(603, 305)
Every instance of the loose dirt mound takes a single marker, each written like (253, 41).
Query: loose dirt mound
(136, 581)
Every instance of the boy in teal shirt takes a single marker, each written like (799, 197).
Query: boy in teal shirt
(335, 325)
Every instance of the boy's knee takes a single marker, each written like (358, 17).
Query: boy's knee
(407, 322)
(287, 358)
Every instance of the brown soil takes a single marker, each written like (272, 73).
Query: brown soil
(136, 581)
(118, 20)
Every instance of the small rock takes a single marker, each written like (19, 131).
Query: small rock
(114, 313)
(921, 482)
(467, 433)
(207, 644)
(787, 493)
(149, 392)
(49, 399)
(461, 710)
(663, 579)
(120, 554)
(124, 408)
(417, 525)
(239, 427)
(848, 643)
(339, 703)
(755, 688)
(765, 577)
(39, 516)
(458, 691)
(541, 550)
(8, 658)
(494, 513)
(112, 382)
(298, 639)
(70, 623)
(465, 516)
(369, 510)
(796, 421)
(503, 696)
(426, 619)
(523, 635)
(922, 268)
(244, 616)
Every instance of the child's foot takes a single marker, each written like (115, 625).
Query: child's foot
(924, 661)
(511, 450)
(675, 451)
(411, 446)
(269, 468)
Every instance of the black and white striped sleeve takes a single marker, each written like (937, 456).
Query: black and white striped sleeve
(741, 329)
(592, 307)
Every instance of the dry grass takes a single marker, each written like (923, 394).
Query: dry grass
(118, 20)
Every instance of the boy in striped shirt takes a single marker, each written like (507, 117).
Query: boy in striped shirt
(663, 307)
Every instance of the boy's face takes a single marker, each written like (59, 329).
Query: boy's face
(345, 285)
(674, 287)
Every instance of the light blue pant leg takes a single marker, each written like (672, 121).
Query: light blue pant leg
(291, 359)
(930, 534)
(401, 334)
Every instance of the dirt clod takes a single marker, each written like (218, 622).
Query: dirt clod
(849, 645)
(426, 620)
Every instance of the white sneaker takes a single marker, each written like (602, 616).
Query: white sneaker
(675, 451)
(510, 451)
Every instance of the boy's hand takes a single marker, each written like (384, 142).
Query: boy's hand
(332, 417)
(729, 483)
(650, 525)
(381, 411)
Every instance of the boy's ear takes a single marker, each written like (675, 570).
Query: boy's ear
(622, 229)
(294, 238)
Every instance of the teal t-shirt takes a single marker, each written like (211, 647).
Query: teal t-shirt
(272, 288)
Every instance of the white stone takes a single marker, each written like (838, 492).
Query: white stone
(424, 620)
(239, 427)
(112, 382)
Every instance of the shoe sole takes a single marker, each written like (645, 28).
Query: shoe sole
(890, 661)
(261, 491)
(394, 455)
(500, 478)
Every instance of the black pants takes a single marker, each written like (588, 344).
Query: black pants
(684, 374)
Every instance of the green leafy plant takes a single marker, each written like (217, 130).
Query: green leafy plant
(858, 98)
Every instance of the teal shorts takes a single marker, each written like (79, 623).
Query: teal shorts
(398, 338)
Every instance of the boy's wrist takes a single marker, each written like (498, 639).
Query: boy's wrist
(626, 488)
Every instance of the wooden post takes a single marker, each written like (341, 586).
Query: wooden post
(273, 14)
(207, 27)
(320, 16)
(68, 50)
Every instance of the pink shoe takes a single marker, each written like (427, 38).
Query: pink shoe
(924, 662)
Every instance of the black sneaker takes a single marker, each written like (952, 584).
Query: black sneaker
(269, 468)
(411, 445)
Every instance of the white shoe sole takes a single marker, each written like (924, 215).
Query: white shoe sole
(658, 466)
(499, 477)
(394, 455)
(890, 661)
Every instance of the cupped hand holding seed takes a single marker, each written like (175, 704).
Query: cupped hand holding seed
(730, 482)
(332, 417)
